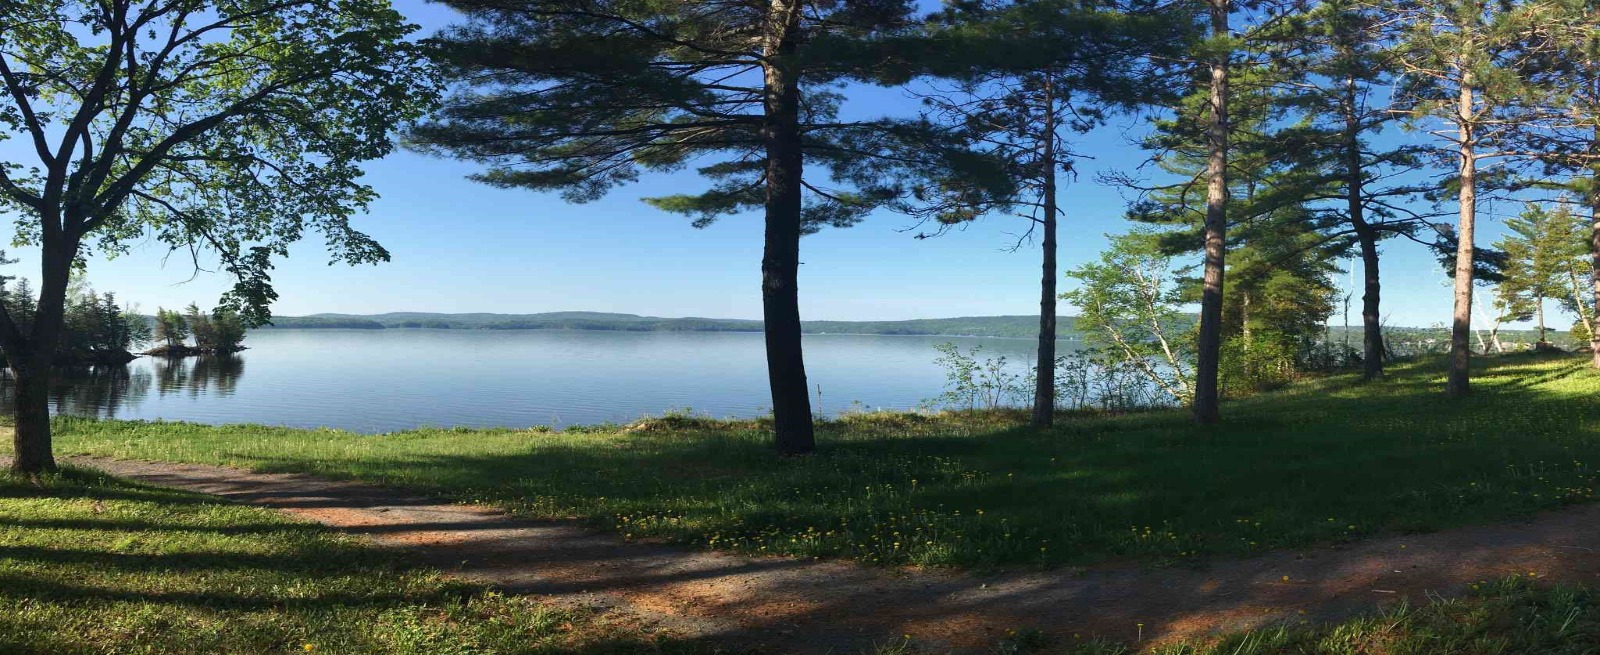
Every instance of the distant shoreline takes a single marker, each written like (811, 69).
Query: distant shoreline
(1020, 326)
(1067, 337)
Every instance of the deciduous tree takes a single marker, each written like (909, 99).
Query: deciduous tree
(228, 126)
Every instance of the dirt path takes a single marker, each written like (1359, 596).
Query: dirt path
(792, 606)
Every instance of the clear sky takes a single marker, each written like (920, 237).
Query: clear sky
(464, 247)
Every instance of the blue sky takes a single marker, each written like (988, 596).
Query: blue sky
(463, 247)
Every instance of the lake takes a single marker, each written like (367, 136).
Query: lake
(384, 380)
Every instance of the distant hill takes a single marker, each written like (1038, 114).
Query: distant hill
(977, 326)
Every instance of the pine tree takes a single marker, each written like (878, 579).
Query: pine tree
(1024, 117)
(581, 96)
(1543, 251)
(1333, 68)
(1568, 141)
(1464, 83)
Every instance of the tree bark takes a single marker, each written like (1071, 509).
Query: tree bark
(1366, 237)
(31, 360)
(1044, 388)
(1584, 316)
(1371, 320)
(1539, 300)
(780, 262)
(1458, 383)
(1594, 254)
(30, 411)
(1206, 390)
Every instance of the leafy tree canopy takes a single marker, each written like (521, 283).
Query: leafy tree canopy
(230, 126)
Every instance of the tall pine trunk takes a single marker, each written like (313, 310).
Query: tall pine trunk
(780, 262)
(1371, 320)
(1044, 387)
(1594, 253)
(1366, 237)
(1206, 388)
(1459, 381)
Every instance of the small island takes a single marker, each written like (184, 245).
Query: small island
(221, 332)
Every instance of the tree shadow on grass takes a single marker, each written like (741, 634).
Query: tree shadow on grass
(158, 573)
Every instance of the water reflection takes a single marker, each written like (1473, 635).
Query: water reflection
(207, 374)
(106, 391)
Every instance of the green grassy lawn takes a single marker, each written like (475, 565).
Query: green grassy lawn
(94, 565)
(1322, 461)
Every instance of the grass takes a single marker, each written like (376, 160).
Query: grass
(90, 564)
(94, 565)
(1510, 617)
(1324, 461)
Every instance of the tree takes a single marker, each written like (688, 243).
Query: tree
(228, 126)
(171, 328)
(1022, 116)
(218, 333)
(199, 326)
(227, 330)
(1544, 251)
(1281, 244)
(1569, 142)
(1465, 82)
(1282, 293)
(581, 96)
(96, 330)
(1201, 129)
(1333, 67)
(1129, 307)
(1207, 392)
(1277, 244)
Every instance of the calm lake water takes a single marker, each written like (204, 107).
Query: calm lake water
(383, 380)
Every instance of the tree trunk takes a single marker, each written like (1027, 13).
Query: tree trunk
(1244, 320)
(1594, 254)
(1206, 388)
(780, 263)
(31, 360)
(1458, 383)
(1539, 301)
(1577, 298)
(1044, 388)
(1371, 320)
(31, 439)
(1366, 236)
